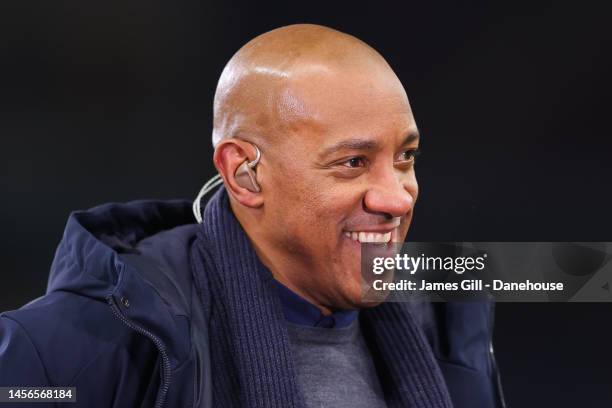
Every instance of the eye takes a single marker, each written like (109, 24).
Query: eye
(354, 162)
(408, 156)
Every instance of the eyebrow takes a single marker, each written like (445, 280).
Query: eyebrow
(364, 144)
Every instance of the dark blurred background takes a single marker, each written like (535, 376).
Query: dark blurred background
(112, 101)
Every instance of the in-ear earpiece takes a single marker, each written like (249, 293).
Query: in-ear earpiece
(245, 174)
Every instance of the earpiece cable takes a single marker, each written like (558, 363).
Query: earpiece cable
(213, 183)
(206, 188)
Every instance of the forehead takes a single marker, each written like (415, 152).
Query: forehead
(322, 107)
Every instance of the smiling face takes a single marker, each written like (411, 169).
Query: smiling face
(337, 170)
(342, 175)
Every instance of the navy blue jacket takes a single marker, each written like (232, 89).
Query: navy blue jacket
(123, 322)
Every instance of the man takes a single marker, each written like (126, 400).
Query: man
(260, 305)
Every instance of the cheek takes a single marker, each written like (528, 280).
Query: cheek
(411, 184)
(318, 220)
(311, 215)
(291, 207)
(329, 206)
(414, 190)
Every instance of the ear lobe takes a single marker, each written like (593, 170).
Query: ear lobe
(231, 160)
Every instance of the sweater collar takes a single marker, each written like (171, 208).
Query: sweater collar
(298, 310)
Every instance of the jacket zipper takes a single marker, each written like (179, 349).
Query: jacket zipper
(496, 377)
(166, 372)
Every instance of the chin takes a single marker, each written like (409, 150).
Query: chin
(353, 296)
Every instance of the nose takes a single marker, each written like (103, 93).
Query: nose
(391, 196)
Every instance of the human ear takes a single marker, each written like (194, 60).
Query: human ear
(235, 161)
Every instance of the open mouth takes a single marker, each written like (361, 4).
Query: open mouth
(381, 234)
(369, 237)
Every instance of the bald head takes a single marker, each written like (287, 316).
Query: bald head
(337, 140)
(265, 89)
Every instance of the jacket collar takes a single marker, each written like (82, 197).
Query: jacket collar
(135, 255)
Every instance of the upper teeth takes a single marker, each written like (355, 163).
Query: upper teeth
(369, 236)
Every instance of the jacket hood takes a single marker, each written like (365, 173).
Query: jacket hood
(97, 242)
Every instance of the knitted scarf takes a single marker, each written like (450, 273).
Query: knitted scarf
(251, 358)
